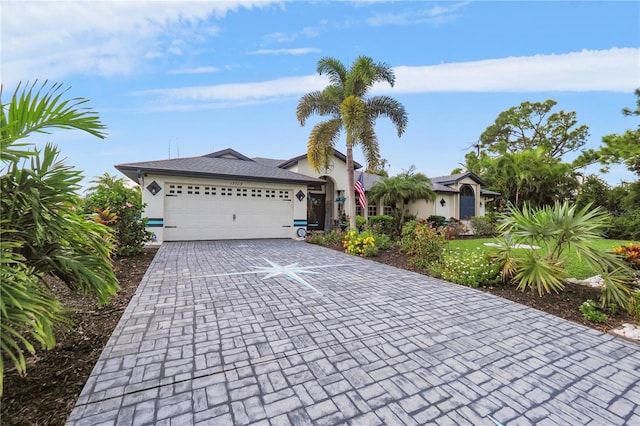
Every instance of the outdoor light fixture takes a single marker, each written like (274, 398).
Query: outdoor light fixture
(154, 188)
(442, 202)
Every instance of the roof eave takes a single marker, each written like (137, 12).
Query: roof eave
(132, 173)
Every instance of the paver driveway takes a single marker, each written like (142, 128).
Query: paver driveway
(285, 332)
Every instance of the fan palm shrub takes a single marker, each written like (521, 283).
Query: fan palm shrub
(43, 233)
(556, 229)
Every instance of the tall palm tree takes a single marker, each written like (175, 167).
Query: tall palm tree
(348, 107)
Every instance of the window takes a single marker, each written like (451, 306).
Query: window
(387, 210)
(372, 210)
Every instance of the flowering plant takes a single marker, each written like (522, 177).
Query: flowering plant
(360, 244)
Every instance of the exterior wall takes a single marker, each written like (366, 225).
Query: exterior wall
(422, 209)
(154, 209)
(338, 179)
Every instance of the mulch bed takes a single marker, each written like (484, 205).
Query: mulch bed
(55, 378)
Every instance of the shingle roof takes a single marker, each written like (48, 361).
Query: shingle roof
(371, 179)
(290, 162)
(211, 165)
(445, 180)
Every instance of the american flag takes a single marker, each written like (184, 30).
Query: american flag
(359, 187)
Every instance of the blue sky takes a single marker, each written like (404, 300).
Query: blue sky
(187, 78)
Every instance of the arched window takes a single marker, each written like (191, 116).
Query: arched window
(467, 202)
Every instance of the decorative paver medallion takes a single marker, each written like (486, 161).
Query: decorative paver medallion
(292, 271)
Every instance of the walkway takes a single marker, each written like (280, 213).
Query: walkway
(279, 332)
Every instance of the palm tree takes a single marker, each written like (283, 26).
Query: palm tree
(43, 234)
(348, 107)
(400, 190)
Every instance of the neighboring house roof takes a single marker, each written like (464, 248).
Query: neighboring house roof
(292, 161)
(228, 164)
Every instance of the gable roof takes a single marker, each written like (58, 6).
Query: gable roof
(439, 184)
(226, 164)
(451, 179)
(292, 161)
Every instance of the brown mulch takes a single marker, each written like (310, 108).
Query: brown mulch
(55, 378)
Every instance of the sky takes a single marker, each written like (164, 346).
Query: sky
(181, 79)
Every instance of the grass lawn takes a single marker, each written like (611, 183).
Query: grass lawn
(575, 267)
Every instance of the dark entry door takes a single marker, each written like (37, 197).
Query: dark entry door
(467, 202)
(315, 212)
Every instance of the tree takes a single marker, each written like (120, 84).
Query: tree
(400, 190)
(43, 233)
(530, 126)
(618, 148)
(346, 104)
(520, 154)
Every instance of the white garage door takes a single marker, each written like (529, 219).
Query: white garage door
(201, 212)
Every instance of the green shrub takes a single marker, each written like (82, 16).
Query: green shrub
(634, 306)
(384, 242)
(112, 195)
(624, 227)
(437, 221)
(590, 312)
(484, 226)
(382, 224)
(360, 222)
(454, 229)
(424, 244)
(467, 267)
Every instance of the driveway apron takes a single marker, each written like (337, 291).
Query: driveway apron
(278, 332)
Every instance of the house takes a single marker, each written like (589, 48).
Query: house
(227, 195)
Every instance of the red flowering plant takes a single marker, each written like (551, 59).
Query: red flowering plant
(630, 253)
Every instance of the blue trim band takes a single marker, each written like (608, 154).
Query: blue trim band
(299, 222)
(155, 222)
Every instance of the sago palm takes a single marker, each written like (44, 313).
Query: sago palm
(346, 103)
(43, 233)
(556, 229)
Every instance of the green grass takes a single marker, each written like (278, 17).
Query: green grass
(575, 267)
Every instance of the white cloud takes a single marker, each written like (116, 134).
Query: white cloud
(294, 51)
(104, 38)
(197, 70)
(614, 70)
(433, 15)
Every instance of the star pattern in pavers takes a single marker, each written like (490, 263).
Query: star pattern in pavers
(293, 271)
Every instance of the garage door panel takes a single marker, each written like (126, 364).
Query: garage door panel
(200, 212)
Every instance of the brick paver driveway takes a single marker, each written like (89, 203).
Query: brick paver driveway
(283, 332)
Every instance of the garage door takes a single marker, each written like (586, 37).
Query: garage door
(201, 212)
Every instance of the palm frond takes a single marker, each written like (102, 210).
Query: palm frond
(386, 106)
(321, 143)
(39, 109)
(334, 69)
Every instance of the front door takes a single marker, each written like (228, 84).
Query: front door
(315, 212)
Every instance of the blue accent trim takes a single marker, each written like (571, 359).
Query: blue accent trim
(299, 222)
(155, 222)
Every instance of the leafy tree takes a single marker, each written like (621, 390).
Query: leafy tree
(346, 103)
(594, 191)
(557, 229)
(520, 154)
(43, 233)
(400, 190)
(530, 126)
(124, 207)
(619, 148)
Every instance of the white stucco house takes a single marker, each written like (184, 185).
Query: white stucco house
(227, 195)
